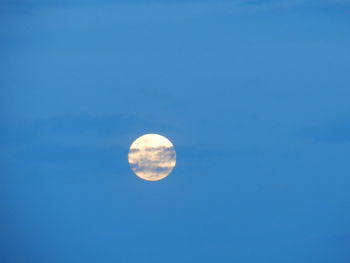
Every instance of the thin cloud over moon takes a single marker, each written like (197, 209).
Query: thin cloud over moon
(152, 157)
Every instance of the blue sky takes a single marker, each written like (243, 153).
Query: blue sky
(253, 94)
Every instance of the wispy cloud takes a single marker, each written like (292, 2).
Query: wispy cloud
(83, 143)
(338, 131)
(152, 163)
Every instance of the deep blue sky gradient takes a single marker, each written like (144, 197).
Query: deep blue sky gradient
(255, 96)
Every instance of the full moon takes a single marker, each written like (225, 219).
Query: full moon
(152, 157)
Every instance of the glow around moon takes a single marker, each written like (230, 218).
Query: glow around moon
(152, 157)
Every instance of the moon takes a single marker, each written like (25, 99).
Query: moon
(152, 157)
